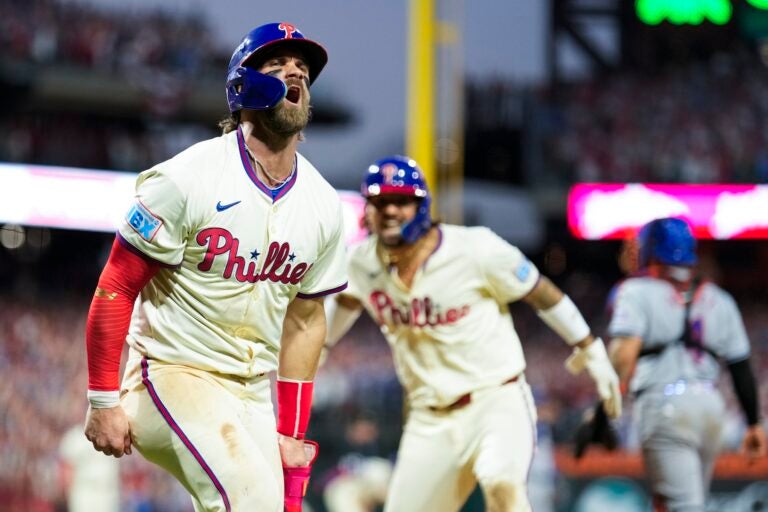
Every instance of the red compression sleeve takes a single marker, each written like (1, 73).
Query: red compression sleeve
(123, 277)
(294, 405)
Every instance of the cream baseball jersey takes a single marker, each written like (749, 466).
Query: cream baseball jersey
(446, 333)
(236, 253)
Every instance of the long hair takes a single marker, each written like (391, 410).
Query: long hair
(230, 123)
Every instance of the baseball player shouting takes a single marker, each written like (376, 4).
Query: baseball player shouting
(670, 329)
(440, 294)
(230, 248)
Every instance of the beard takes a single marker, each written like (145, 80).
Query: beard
(288, 121)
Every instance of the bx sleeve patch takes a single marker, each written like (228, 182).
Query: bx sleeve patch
(143, 221)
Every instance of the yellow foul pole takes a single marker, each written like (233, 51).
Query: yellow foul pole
(420, 106)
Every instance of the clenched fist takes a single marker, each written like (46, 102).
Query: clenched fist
(109, 431)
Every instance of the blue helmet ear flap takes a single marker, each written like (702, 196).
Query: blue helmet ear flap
(668, 241)
(420, 224)
(247, 88)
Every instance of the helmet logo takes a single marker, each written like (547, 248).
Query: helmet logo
(288, 29)
(388, 171)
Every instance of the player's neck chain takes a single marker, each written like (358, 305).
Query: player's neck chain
(275, 183)
(272, 182)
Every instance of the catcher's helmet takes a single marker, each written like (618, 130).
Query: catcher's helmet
(668, 241)
(246, 87)
(399, 175)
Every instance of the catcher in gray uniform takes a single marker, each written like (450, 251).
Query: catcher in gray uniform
(670, 331)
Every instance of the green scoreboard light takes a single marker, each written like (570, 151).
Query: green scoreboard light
(687, 12)
(753, 19)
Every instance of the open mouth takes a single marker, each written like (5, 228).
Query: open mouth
(294, 94)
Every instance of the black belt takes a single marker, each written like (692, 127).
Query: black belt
(466, 398)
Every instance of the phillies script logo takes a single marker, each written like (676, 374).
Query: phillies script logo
(221, 242)
(421, 313)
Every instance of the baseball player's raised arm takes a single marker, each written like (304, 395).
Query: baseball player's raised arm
(559, 312)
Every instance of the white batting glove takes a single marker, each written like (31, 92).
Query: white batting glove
(595, 359)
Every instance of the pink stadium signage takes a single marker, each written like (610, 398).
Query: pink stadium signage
(610, 211)
(97, 200)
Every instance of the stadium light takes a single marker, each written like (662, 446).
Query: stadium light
(682, 12)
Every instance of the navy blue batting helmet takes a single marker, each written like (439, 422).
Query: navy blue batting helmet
(246, 87)
(399, 175)
(668, 241)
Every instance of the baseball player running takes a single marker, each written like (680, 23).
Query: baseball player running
(440, 294)
(230, 248)
(669, 330)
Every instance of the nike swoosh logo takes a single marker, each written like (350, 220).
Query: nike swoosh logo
(221, 207)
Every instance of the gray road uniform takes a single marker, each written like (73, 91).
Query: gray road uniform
(678, 407)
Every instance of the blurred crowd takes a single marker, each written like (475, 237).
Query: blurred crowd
(157, 51)
(42, 358)
(77, 141)
(126, 43)
(357, 414)
(704, 122)
(701, 122)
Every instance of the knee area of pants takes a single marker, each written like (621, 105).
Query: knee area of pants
(253, 503)
(505, 497)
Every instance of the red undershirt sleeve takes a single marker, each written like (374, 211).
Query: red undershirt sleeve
(109, 316)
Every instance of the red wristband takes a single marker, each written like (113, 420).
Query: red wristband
(294, 405)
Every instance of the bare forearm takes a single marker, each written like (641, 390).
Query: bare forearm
(300, 353)
(303, 337)
(302, 340)
(623, 351)
(544, 295)
(341, 312)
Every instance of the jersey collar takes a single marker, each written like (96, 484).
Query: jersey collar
(273, 194)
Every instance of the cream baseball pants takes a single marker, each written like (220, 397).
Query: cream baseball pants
(216, 434)
(444, 453)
